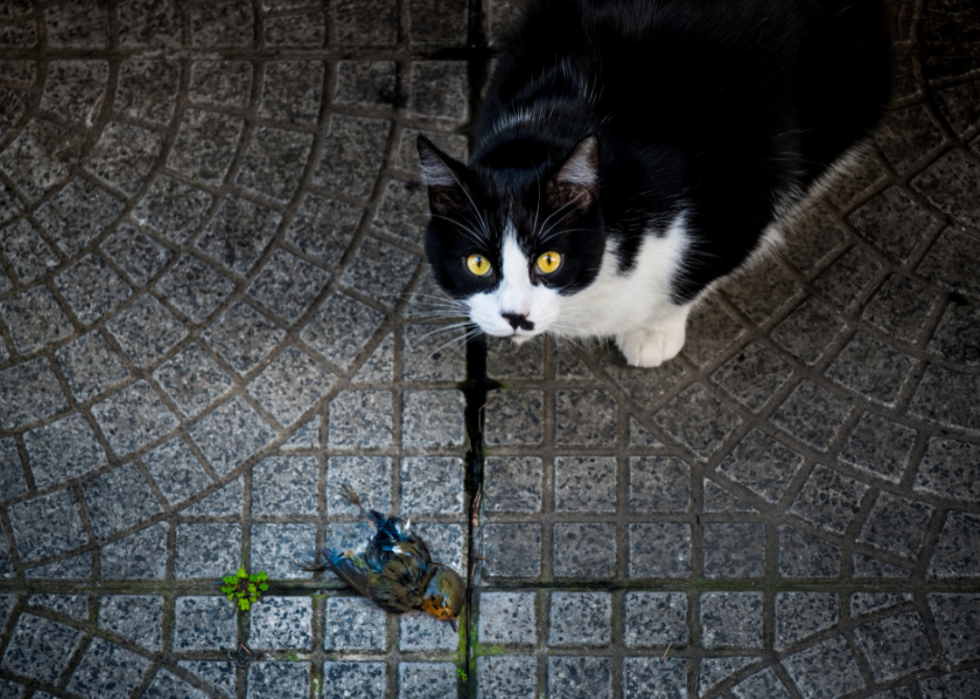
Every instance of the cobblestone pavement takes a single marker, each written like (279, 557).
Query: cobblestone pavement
(214, 309)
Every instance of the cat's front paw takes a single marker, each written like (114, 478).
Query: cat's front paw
(653, 346)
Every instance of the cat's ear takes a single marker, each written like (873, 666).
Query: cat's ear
(445, 177)
(577, 181)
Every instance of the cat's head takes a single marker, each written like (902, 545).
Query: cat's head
(517, 234)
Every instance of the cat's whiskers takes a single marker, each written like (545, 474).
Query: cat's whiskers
(478, 237)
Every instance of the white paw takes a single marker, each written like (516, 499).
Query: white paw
(652, 347)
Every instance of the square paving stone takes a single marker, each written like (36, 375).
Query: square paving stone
(139, 556)
(243, 336)
(281, 622)
(145, 23)
(354, 623)
(366, 22)
(872, 369)
(166, 684)
(47, 525)
(512, 550)
(731, 619)
(655, 677)
(580, 619)
(51, 149)
(279, 548)
(659, 484)
(230, 434)
(206, 145)
(579, 678)
(799, 615)
(75, 90)
(137, 255)
(432, 419)
(91, 288)
(438, 23)
(107, 671)
(424, 633)
(29, 256)
(224, 82)
(133, 417)
(762, 684)
(40, 648)
(508, 618)
(352, 155)
(75, 606)
(514, 417)
(947, 265)
(124, 155)
(896, 524)
(901, 307)
(439, 89)
(404, 211)
(205, 623)
(654, 619)
(238, 233)
(147, 89)
(341, 328)
(34, 319)
(956, 685)
(305, 30)
(288, 285)
(29, 391)
(291, 384)
(207, 550)
(357, 680)
(957, 338)
(803, 555)
(660, 550)
(512, 484)
(366, 84)
(434, 353)
(948, 398)
(370, 478)
(426, 680)
(957, 617)
(138, 618)
(274, 162)
(506, 677)
(698, 420)
(267, 679)
(585, 484)
(118, 500)
(585, 417)
(432, 485)
(846, 281)
(829, 499)
(324, 227)
(146, 330)
(893, 222)
(221, 24)
(584, 550)
(193, 379)
(734, 550)
(292, 91)
(895, 646)
(284, 485)
(173, 208)
(950, 469)
(812, 414)
(360, 419)
(827, 669)
(59, 451)
(878, 446)
(809, 330)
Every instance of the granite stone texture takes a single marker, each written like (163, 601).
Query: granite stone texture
(215, 312)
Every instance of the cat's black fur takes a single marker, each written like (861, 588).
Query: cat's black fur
(725, 109)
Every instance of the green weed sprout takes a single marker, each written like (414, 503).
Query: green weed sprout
(245, 589)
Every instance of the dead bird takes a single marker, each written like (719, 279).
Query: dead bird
(394, 569)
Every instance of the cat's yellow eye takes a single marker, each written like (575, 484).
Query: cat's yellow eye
(549, 262)
(478, 265)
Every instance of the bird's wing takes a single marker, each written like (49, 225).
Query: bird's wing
(352, 569)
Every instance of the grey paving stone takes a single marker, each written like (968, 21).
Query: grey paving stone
(426, 680)
(438, 23)
(584, 549)
(893, 222)
(207, 550)
(139, 556)
(28, 392)
(147, 89)
(40, 648)
(867, 567)
(824, 670)
(278, 549)
(848, 280)
(165, 684)
(357, 680)
(205, 145)
(802, 555)
(403, 210)
(192, 379)
(204, 623)
(107, 671)
(354, 623)
(734, 550)
(380, 270)
(82, 24)
(274, 162)
(762, 684)
(580, 619)
(753, 375)
(512, 484)
(34, 319)
(515, 417)
(698, 420)
(432, 419)
(352, 154)
(896, 524)
(291, 385)
(124, 155)
(369, 476)
(716, 670)
(655, 677)
(281, 622)
(508, 618)
(645, 387)
(75, 90)
(762, 464)
(506, 676)
(945, 396)
(133, 417)
(172, 208)
(118, 500)
(956, 685)
(659, 550)
(434, 353)
(366, 22)
(812, 414)
(324, 227)
(438, 90)
(292, 91)
(61, 450)
(799, 615)
(47, 525)
(145, 23)
(271, 678)
(958, 539)
(956, 616)
(895, 646)
(176, 470)
(957, 336)
(75, 606)
(432, 485)
(585, 484)
(879, 446)
(585, 417)
(243, 336)
(711, 330)
(341, 328)
(138, 256)
(731, 619)
(284, 485)
(829, 499)
(424, 633)
(52, 149)
(288, 285)
(950, 469)
(943, 185)
(808, 331)
(224, 82)
(512, 550)
(12, 482)
(74, 568)
(230, 434)
(366, 84)
(146, 330)
(28, 254)
(138, 618)
(305, 30)
(901, 307)
(946, 265)
(653, 619)
(238, 233)
(908, 134)
(579, 677)
(872, 369)
(863, 603)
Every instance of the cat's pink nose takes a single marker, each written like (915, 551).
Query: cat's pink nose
(518, 321)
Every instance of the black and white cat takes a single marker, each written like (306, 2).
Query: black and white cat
(630, 153)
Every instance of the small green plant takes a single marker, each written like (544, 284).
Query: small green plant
(245, 589)
(461, 673)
